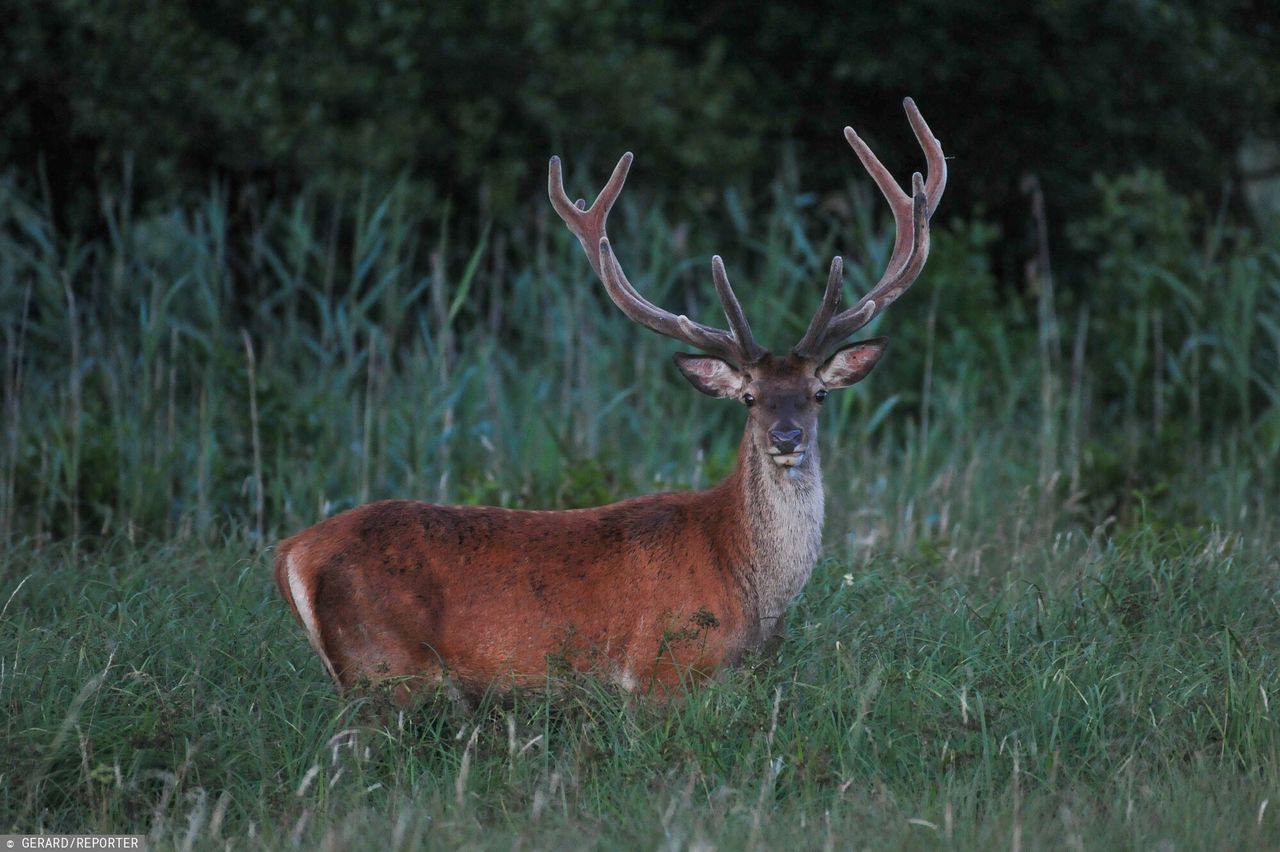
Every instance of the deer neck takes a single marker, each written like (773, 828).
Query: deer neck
(781, 513)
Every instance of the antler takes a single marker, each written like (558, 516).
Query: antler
(910, 246)
(588, 224)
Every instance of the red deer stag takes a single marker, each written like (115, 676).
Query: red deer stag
(651, 592)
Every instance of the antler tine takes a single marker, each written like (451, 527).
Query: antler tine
(936, 162)
(733, 312)
(826, 309)
(911, 216)
(899, 203)
(892, 285)
(588, 225)
(640, 310)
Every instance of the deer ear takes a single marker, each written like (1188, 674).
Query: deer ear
(712, 376)
(852, 363)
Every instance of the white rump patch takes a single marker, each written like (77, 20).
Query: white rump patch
(306, 610)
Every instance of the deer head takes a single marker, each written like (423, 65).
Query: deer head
(783, 393)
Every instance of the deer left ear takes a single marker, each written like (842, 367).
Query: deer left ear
(712, 376)
(851, 364)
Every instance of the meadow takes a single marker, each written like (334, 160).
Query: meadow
(1047, 614)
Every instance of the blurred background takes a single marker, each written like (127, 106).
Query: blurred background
(260, 262)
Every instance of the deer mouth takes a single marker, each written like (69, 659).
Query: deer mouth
(791, 459)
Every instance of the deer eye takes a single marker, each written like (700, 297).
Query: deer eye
(748, 400)
(820, 395)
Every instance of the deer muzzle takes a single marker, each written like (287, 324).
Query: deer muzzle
(786, 446)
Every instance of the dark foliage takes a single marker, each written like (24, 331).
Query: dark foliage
(467, 100)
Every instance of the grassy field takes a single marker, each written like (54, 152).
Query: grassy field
(1104, 692)
(1048, 614)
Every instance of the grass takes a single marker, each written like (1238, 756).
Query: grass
(1114, 692)
(1048, 613)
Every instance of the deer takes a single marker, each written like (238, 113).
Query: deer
(655, 593)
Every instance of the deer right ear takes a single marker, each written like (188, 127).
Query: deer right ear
(712, 376)
(852, 363)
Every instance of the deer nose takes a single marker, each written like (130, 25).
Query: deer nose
(786, 440)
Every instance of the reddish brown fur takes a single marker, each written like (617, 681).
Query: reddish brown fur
(649, 587)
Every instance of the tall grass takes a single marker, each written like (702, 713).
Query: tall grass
(1046, 614)
(173, 377)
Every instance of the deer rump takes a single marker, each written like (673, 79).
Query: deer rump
(485, 598)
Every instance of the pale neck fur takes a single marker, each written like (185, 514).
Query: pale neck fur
(782, 511)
